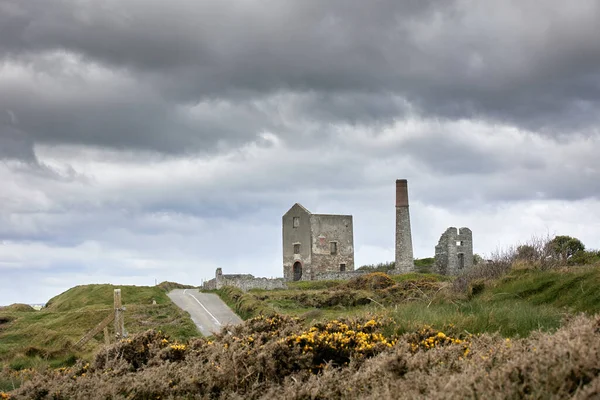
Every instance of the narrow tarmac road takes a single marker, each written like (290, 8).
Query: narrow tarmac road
(207, 310)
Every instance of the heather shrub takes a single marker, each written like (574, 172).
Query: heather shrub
(372, 281)
(318, 299)
(135, 351)
(559, 365)
(277, 357)
(407, 290)
(411, 290)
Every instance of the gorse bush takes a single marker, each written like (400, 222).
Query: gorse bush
(337, 342)
(278, 357)
(428, 338)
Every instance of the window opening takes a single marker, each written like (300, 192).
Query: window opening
(461, 260)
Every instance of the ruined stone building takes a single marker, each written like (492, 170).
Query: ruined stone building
(316, 244)
(242, 281)
(404, 249)
(454, 251)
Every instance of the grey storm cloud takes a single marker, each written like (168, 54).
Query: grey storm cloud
(131, 74)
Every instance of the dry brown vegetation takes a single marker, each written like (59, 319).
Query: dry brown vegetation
(279, 357)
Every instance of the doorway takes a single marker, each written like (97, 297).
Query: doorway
(297, 271)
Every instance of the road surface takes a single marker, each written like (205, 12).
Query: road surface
(207, 310)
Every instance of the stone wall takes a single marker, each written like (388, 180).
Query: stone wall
(296, 237)
(210, 284)
(325, 230)
(454, 251)
(243, 281)
(247, 282)
(337, 275)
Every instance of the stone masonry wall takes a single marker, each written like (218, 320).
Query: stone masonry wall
(296, 235)
(337, 275)
(404, 249)
(243, 281)
(248, 282)
(454, 251)
(325, 230)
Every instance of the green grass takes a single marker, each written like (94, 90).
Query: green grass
(246, 305)
(523, 301)
(35, 339)
(416, 276)
(577, 290)
(516, 305)
(101, 296)
(509, 317)
(313, 285)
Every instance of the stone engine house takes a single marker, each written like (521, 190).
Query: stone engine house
(316, 244)
(454, 251)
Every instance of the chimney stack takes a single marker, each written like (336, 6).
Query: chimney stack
(404, 250)
(401, 193)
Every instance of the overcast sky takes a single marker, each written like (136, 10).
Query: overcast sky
(145, 140)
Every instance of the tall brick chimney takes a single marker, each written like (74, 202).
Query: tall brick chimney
(404, 249)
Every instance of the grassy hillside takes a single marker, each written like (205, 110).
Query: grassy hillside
(376, 336)
(575, 289)
(101, 296)
(30, 338)
(522, 301)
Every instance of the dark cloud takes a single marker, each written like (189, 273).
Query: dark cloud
(14, 143)
(452, 155)
(126, 74)
(138, 136)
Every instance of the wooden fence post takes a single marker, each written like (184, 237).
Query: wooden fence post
(102, 325)
(119, 317)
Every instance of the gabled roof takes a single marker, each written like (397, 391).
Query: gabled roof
(301, 207)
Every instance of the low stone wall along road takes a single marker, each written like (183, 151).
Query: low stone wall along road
(207, 310)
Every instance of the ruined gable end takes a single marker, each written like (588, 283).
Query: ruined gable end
(454, 251)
